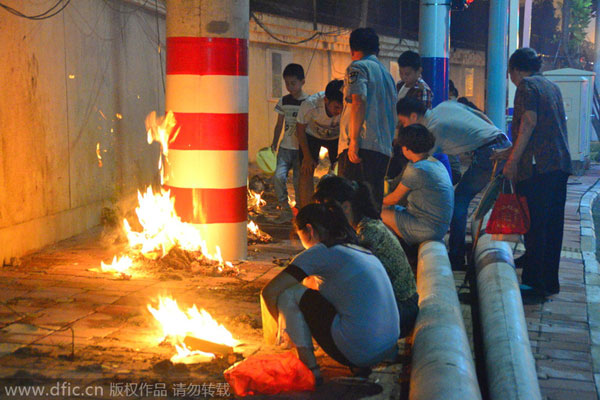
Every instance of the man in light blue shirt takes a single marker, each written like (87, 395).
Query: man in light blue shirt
(368, 123)
(459, 129)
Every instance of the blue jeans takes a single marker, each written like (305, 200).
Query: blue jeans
(475, 178)
(286, 159)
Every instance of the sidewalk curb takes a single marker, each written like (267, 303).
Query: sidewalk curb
(591, 275)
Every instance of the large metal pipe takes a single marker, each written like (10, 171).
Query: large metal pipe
(442, 363)
(510, 365)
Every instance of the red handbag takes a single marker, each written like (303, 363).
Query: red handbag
(510, 215)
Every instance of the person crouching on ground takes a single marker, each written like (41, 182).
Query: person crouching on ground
(357, 203)
(425, 186)
(340, 314)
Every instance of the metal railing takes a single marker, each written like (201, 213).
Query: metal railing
(596, 112)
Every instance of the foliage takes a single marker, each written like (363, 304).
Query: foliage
(544, 27)
(581, 16)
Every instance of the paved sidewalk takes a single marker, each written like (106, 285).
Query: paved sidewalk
(115, 348)
(116, 344)
(565, 331)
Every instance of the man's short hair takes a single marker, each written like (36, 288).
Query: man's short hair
(294, 70)
(452, 90)
(416, 138)
(410, 59)
(333, 91)
(409, 105)
(365, 40)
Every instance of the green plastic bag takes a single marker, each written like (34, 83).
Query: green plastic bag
(266, 160)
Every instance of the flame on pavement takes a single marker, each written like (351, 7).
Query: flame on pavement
(120, 265)
(255, 201)
(176, 324)
(162, 228)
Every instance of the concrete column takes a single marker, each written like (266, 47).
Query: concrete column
(597, 47)
(434, 46)
(513, 44)
(207, 89)
(497, 55)
(527, 23)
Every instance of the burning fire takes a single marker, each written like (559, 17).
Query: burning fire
(253, 228)
(98, 155)
(177, 324)
(291, 202)
(323, 153)
(255, 201)
(163, 230)
(160, 130)
(162, 227)
(118, 265)
(255, 235)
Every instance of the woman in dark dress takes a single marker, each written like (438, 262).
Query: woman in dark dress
(539, 164)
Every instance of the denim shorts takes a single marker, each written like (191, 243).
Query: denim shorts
(416, 230)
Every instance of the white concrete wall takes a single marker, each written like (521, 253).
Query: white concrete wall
(460, 60)
(63, 81)
(326, 58)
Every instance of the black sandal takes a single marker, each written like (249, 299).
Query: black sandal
(361, 372)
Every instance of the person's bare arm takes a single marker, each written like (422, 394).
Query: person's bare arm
(528, 123)
(357, 118)
(396, 196)
(307, 160)
(277, 132)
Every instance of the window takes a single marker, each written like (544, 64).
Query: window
(277, 60)
(469, 80)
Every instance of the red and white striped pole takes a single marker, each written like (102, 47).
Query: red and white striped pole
(207, 90)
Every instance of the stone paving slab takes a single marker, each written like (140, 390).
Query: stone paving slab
(116, 340)
(562, 334)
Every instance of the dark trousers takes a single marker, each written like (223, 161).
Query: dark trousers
(319, 313)
(371, 170)
(546, 196)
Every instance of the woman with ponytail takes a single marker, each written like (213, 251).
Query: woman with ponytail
(339, 315)
(356, 201)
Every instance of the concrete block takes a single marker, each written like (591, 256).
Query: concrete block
(595, 335)
(586, 223)
(585, 209)
(595, 350)
(588, 242)
(593, 293)
(592, 278)
(591, 265)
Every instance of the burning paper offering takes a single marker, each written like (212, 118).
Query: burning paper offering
(180, 328)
